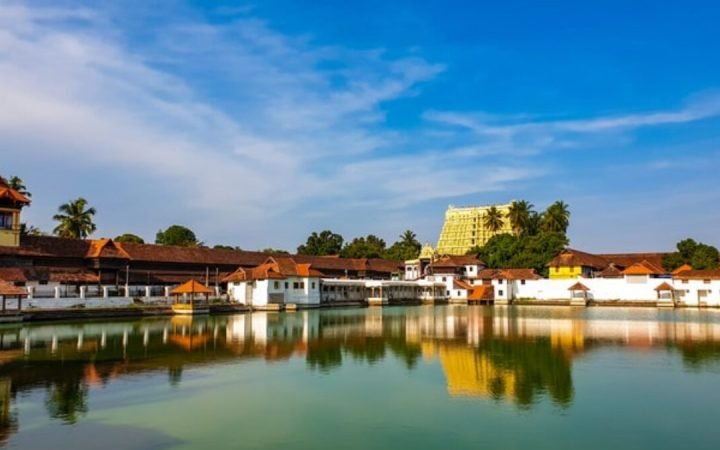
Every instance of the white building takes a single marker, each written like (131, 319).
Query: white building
(278, 281)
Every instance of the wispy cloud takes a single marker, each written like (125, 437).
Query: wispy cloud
(237, 119)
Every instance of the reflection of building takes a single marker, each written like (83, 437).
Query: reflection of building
(464, 228)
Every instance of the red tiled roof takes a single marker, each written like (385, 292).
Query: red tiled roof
(277, 267)
(456, 260)
(519, 274)
(681, 269)
(571, 257)
(7, 192)
(610, 271)
(10, 290)
(191, 287)
(481, 292)
(643, 268)
(628, 259)
(460, 284)
(705, 274)
(664, 287)
(578, 287)
(106, 248)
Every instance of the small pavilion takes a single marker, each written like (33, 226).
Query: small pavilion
(665, 294)
(578, 294)
(188, 305)
(12, 291)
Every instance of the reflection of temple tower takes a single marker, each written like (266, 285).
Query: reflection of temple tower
(7, 421)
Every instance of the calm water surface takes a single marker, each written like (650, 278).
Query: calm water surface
(416, 377)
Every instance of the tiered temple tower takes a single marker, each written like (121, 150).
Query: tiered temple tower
(464, 228)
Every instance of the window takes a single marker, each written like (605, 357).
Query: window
(43, 282)
(287, 285)
(500, 281)
(500, 293)
(313, 285)
(444, 278)
(302, 285)
(447, 293)
(6, 221)
(522, 282)
(276, 285)
(296, 285)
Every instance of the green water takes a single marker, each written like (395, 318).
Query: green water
(416, 377)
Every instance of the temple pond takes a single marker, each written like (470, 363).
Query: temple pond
(397, 377)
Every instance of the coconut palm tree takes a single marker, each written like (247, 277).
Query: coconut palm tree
(520, 216)
(493, 219)
(409, 239)
(75, 220)
(17, 184)
(556, 218)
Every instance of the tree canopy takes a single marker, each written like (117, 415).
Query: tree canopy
(406, 247)
(538, 237)
(364, 247)
(177, 235)
(321, 244)
(275, 251)
(75, 220)
(698, 255)
(17, 183)
(129, 238)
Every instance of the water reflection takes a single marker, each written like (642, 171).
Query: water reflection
(520, 355)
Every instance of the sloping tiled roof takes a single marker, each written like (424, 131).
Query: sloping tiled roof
(277, 267)
(7, 192)
(456, 261)
(519, 274)
(628, 259)
(106, 248)
(50, 246)
(578, 287)
(643, 268)
(460, 284)
(481, 292)
(705, 274)
(191, 287)
(571, 257)
(610, 271)
(10, 290)
(681, 269)
(664, 287)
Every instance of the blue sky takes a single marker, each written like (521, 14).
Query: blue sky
(257, 123)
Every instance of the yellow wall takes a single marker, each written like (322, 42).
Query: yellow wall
(565, 272)
(11, 238)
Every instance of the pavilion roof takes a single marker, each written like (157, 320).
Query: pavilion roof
(578, 287)
(681, 269)
(10, 290)
(643, 268)
(191, 287)
(664, 286)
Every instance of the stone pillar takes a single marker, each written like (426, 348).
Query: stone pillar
(167, 291)
(105, 292)
(57, 291)
(30, 291)
(147, 291)
(82, 291)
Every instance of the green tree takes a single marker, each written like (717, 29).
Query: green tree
(520, 215)
(364, 247)
(506, 251)
(75, 220)
(17, 184)
(67, 400)
(698, 255)
(30, 230)
(177, 235)
(493, 219)
(705, 257)
(129, 238)
(407, 247)
(275, 251)
(556, 218)
(320, 244)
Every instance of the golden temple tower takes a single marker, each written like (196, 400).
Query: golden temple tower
(464, 228)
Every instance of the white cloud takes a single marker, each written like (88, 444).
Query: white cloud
(237, 119)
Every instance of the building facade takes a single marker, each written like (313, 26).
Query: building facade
(464, 228)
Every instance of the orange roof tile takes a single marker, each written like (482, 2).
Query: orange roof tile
(664, 286)
(191, 287)
(643, 268)
(571, 257)
(460, 284)
(681, 269)
(578, 287)
(10, 290)
(7, 192)
(705, 274)
(482, 292)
